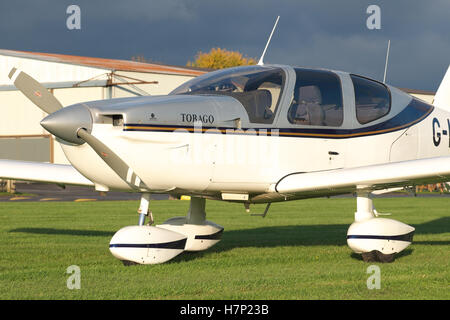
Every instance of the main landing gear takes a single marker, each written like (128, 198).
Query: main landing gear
(146, 244)
(376, 239)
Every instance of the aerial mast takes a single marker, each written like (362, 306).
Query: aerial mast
(386, 63)
(261, 62)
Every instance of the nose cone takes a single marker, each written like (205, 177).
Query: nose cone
(66, 122)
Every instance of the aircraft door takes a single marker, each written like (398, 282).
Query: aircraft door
(314, 118)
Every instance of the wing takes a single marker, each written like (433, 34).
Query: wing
(370, 178)
(44, 172)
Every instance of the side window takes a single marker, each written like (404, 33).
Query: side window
(317, 99)
(372, 99)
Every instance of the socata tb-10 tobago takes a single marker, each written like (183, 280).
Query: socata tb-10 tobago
(253, 134)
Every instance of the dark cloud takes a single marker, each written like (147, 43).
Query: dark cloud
(317, 33)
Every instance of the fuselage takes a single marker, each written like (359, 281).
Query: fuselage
(239, 131)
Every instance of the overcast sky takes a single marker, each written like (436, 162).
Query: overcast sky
(314, 33)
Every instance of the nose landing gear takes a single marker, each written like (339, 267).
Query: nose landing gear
(144, 244)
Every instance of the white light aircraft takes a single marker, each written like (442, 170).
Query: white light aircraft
(253, 134)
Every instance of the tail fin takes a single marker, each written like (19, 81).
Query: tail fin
(442, 97)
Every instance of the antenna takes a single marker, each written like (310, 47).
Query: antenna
(260, 62)
(387, 59)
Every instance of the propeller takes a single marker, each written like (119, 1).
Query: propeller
(73, 124)
(113, 161)
(34, 91)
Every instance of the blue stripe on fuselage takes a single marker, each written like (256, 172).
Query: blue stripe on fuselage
(413, 113)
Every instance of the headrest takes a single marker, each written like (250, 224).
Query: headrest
(263, 97)
(310, 94)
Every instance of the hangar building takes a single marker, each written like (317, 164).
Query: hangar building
(72, 79)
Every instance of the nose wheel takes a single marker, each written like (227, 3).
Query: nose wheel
(201, 234)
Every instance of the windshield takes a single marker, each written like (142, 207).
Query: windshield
(257, 88)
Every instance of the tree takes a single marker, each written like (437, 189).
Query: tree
(219, 58)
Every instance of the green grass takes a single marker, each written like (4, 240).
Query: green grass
(298, 251)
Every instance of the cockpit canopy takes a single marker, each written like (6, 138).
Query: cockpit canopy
(315, 97)
(257, 88)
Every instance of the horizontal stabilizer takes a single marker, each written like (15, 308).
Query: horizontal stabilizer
(42, 172)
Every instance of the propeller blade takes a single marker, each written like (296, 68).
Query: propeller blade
(113, 161)
(34, 91)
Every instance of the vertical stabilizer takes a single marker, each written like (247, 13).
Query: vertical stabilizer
(442, 97)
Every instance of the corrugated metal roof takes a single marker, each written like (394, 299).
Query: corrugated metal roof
(111, 64)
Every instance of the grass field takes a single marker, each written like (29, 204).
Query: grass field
(298, 251)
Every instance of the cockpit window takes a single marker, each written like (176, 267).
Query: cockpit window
(317, 99)
(372, 99)
(257, 88)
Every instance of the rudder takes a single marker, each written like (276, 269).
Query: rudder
(442, 97)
